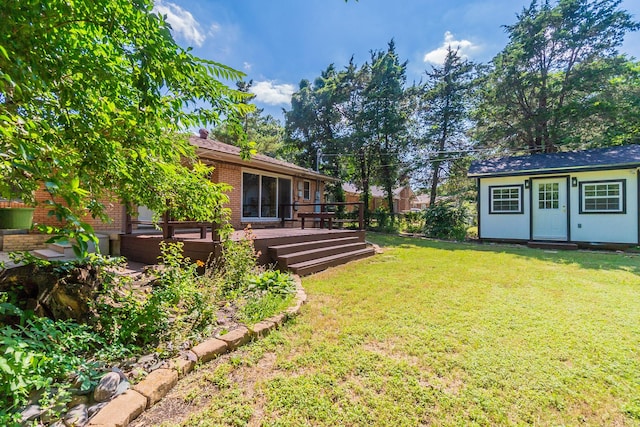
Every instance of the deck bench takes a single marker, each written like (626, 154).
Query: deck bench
(322, 216)
(173, 225)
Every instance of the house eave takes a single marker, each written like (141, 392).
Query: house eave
(548, 171)
(261, 164)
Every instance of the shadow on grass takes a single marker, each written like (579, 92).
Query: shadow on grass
(598, 260)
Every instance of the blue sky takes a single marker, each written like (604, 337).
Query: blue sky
(279, 42)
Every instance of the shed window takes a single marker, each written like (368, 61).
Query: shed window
(602, 197)
(505, 200)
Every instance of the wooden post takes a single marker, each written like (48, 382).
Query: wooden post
(166, 231)
(361, 216)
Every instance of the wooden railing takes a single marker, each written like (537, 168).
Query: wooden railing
(354, 216)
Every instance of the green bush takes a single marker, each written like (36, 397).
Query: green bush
(412, 222)
(233, 269)
(267, 294)
(446, 221)
(181, 304)
(384, 221)
(40, 354)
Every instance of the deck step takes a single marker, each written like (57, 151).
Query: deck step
(318, 264)
(280, 250)
(553, 245)
(307, 255)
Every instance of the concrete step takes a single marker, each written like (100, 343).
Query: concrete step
(307, 255)
(280, 250)
(63, 248)
(49, 254)
(320, 264)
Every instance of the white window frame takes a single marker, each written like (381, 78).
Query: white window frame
(621, 196)
(261, 174)
(492, 198)
(306, 190)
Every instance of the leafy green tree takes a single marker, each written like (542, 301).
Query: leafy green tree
(93, 97)
(443, 111)
(385, 119)
(559, 57)
(263, 133)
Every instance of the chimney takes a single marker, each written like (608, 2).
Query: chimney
(204, 134)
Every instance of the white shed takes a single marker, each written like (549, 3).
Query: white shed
(583, 197)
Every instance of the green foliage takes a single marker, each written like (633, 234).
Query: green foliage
(412, 222)
(93, 97)
(267, 294)
(546, 90)
(272, 281)
(384, 221)
(259, 308)
(40, 354)
(180, 306)
(445, 220)
(442, 113)
(234, 267)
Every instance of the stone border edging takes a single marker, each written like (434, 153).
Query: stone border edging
(132, 403)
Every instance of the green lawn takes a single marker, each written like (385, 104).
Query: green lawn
(445, 334)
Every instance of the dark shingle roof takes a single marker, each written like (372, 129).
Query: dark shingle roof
(625, 156)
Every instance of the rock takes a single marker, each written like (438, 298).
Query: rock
(95, 408)
(122, 387)
(77, 399)
(107, 387)
(150, 362)
(31, 412)
(157, 385)
(77, 416)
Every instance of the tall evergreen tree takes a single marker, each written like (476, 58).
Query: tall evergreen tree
(444, 103)
(558, 57)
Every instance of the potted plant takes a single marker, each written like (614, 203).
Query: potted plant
(14, 212)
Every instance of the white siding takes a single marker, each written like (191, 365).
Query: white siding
(585, 227)
(503, 226)
(606, 228)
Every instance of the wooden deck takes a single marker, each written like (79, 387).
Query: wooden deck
(144, 245)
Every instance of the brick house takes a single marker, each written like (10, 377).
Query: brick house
(264, 188)
(402, 197)
(263, 191)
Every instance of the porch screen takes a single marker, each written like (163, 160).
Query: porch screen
(263, 195)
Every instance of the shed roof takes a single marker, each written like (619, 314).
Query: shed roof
(216, 150)
(623, 157)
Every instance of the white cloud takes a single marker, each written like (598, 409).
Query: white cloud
(247, 66)
(182, 22)
(272, 93)
(465, 49)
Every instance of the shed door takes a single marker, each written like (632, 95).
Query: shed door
(549, 209)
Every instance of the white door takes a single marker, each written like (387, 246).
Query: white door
(549, 209)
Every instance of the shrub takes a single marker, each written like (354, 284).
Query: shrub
(384, 221)
(267, 294)
(180, 304)
(446, 221)
(42, 354)
(235, 266)
(412, 222)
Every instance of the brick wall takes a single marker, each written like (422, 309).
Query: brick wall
(23, 242)
(114, 210)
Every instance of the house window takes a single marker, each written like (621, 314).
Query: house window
(505, 199)
(602, 197)
(306, 190)
(548, 196)
(263, 196)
